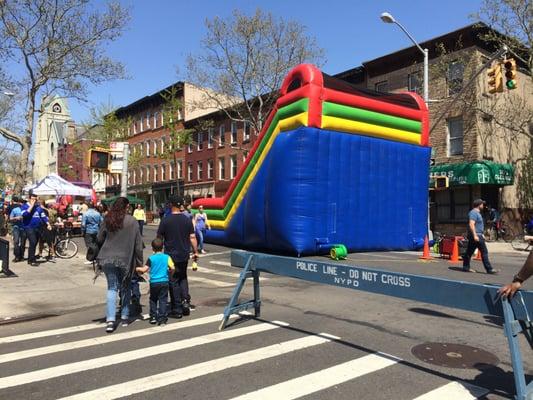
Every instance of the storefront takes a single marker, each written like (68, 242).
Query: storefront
(466, 182)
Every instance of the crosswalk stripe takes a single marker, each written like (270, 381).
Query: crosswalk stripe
(223, 263)
(39, 351)
(94, 363)
(455, 391)
(53, 332)
(222, 273)
(207, 281)
(208, 367)
(323, 379)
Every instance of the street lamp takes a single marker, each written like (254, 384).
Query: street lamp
(389, 19)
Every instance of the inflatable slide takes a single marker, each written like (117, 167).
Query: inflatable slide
(333, 164)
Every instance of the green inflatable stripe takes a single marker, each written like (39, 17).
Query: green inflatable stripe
(370, 117)
(289, 110)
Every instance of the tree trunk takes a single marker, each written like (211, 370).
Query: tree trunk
(22, 171)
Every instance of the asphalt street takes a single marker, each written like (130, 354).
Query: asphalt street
(311, 342)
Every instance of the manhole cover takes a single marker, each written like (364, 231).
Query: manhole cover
(453, 355)
(214, 302)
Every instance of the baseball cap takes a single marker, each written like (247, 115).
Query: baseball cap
(478, 202)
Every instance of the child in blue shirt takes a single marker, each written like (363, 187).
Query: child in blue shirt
(158, 265)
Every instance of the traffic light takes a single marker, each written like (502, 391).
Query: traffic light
(510, 73)
(441, 182)
(495, 79)
(99, 159)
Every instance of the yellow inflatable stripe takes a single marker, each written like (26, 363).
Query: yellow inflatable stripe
(283, 125)
(363, 128)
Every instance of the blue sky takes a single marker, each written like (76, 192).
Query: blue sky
(163, 32)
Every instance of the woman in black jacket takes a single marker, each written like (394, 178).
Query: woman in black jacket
(119, 255)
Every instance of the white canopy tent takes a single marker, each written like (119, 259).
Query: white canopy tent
(54, 185)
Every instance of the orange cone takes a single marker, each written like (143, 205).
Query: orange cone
(425, 253)
(454, 259)
(478, 255)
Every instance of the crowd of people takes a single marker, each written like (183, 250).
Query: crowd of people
(120, 257)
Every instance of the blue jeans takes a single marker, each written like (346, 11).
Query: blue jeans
(32, 234)
(158, 301)
(19, 239)
(115, 276)
(200, 238)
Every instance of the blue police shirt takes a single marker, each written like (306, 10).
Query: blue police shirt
(91, 221)
(16, 212)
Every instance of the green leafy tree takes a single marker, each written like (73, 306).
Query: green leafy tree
(57, 47)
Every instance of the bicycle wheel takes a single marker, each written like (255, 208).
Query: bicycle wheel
(508, 235)
(66, 248)
(519, 243)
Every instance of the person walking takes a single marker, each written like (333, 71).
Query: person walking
(177, 232)
(476, 240)
(120, 253)
(140, 216)
(33, 218)
(525, 273)
(201, 224)
(90, 225)
(17, 230)
(158, 266)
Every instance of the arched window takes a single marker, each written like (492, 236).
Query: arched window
(52, 149)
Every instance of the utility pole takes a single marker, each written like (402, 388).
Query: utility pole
(124, 179)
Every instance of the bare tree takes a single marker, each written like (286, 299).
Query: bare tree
(244, 61)
(58, 46)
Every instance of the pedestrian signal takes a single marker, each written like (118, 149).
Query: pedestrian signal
(495, 79)
(441, 182)
(99, 159)
(510, 73)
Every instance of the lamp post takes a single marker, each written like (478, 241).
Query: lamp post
(389, 19)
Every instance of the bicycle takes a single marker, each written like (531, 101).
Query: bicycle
(64, 246)
(499, 230)
(523, 241)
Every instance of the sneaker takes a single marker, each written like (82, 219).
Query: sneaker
(203, 251)
(88, 263)
(110, 326)
(124, 322)
(473, 271)
(177, 315)
(186, 308)
(162, 322)
(153, 320)
(493, 272)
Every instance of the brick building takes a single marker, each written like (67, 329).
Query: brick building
(479, 156)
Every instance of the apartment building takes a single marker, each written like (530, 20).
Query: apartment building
(470, 146)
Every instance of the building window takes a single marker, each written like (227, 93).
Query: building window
(156, 117)
(148, 118)
(162, 148)
(141, 175)
(221, 135)
(382, 87)
(210, 134)
(154, 147)
(233, 132)
(455, 136)
(156, 173)
(147, 147)
(189, 172)
(221, 168)
(200, 140)
(148, 177)
(180, 169)
(135, 128)
(247, 129)
(453, 204)
(134, 176)
(141, 124)
(244, 155)
(455, 77)
(163, 172)
(171, 171)
(210, 169)
(189, 148)
(200, 170)
(233, 166)
(414, 83)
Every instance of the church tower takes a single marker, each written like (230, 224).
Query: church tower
(54, 127)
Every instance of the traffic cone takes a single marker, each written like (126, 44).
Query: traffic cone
(478, 255)
(425, 253)
(454, 259)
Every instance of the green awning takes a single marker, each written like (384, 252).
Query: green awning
(133, 200)
(475, 173)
